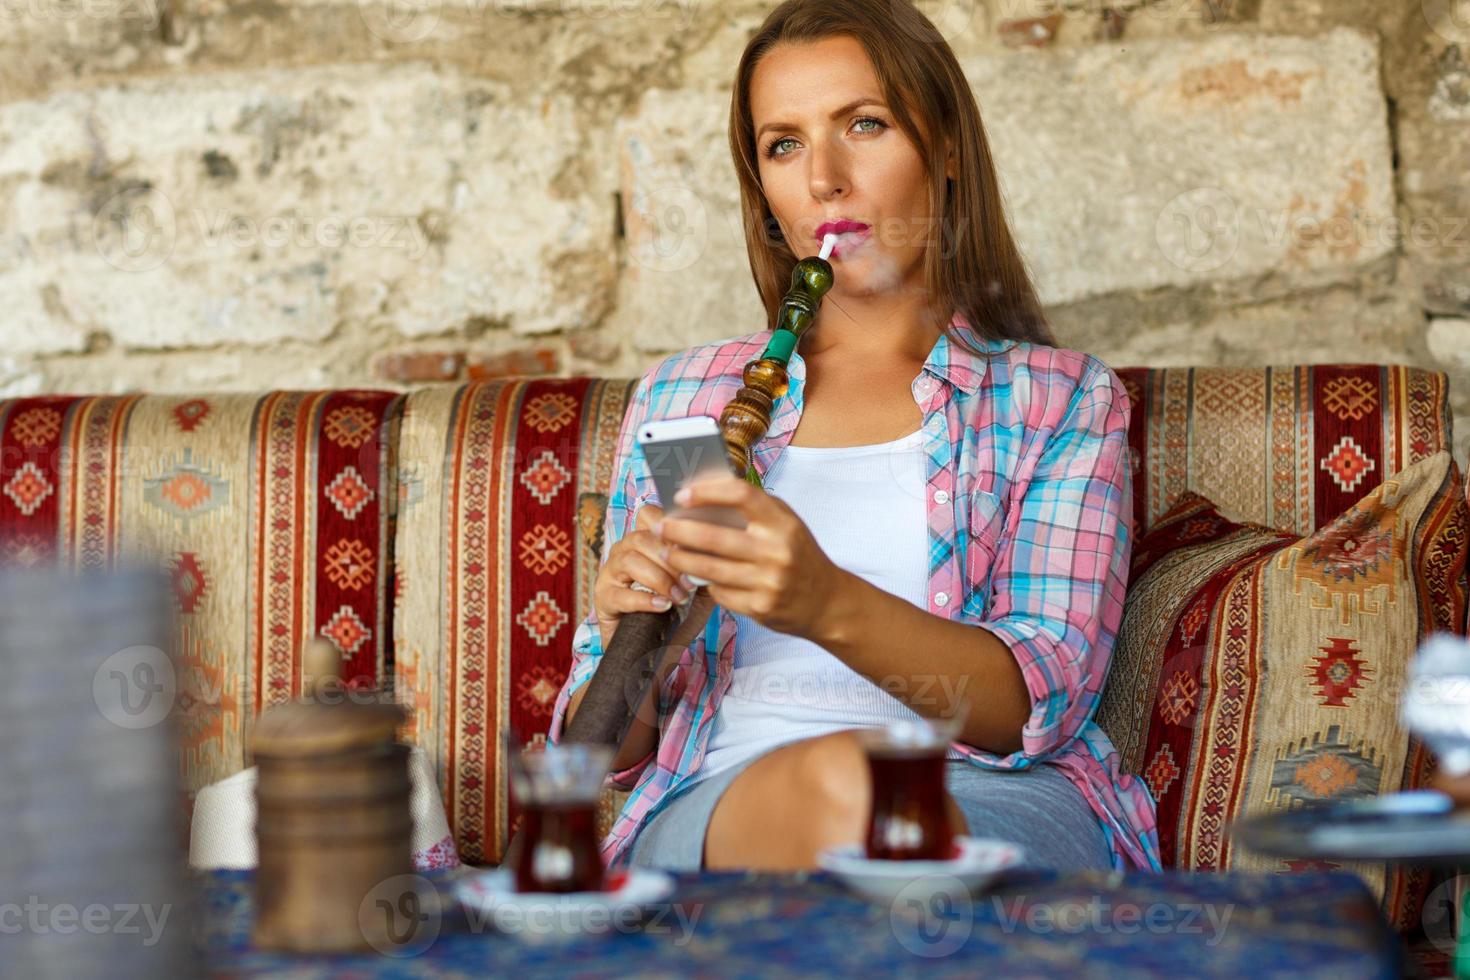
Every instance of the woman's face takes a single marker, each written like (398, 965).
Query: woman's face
(829, 150)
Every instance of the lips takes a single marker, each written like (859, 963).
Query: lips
(850, 235)
(839, 227)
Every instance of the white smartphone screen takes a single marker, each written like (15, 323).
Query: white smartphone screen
(684, 451)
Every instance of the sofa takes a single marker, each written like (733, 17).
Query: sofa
(447, 539)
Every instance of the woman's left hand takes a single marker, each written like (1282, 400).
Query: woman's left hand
(772, 571)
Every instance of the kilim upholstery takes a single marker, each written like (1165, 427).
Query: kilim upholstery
(500, 489)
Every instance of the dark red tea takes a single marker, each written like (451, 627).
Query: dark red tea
(909, 821)
(559, 853)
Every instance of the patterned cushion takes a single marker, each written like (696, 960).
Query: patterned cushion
(1288, 447)
(267, 509)
(502, 496)
(1257, 670)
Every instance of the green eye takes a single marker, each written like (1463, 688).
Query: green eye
(771, 148)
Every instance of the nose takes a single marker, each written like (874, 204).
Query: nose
(828, 177)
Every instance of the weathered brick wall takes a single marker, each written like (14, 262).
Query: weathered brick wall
(197, 194)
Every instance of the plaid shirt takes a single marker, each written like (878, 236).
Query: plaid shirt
(1030, 532)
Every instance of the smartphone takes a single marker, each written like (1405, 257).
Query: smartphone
(684, 451)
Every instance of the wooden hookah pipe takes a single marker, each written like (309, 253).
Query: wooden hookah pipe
(623, 676)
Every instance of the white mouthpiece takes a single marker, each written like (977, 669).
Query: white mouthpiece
(828, 240)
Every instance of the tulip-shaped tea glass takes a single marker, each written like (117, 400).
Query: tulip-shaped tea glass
(557, 788)
(909, 821)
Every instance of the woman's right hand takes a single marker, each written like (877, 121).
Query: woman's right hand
(636, 557)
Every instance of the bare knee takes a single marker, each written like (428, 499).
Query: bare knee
(786, 808)
(832, 788)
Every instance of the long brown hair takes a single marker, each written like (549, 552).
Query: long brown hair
(977, 270)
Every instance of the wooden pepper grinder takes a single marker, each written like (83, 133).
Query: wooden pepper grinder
(333, 822)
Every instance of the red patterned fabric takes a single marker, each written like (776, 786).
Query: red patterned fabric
(1287, 447)
(269, 512)
(497, 553)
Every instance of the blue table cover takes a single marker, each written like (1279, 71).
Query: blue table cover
(1093, 924)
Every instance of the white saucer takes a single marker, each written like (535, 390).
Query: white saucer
(980, 861)
(490, 900)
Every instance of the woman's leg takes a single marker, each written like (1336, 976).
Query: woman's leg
(793, 802)
(1037, 807)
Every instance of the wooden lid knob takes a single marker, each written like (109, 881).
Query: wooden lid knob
(330, 716)
(321, 667)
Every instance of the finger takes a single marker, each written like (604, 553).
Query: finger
(729, 490)
(645, 570)
(650, 546)
(647, 516)
(717, 539)
(736, 574)
(620, 601)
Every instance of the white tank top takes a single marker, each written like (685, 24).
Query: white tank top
(866, 507)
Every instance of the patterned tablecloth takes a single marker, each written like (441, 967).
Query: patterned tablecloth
(799, 925)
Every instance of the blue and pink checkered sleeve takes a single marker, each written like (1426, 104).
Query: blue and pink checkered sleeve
(1059, 578)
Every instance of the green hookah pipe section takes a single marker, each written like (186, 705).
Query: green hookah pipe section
(810, 281)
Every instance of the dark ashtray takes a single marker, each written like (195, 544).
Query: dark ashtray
(1418, 825)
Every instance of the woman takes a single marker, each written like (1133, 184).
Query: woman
(937, 465)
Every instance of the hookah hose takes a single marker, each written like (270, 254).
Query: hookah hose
(626, 670)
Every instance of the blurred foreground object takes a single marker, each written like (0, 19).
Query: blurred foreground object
(223, 831)
(1437, 703)
(333, 826)
(94, 880)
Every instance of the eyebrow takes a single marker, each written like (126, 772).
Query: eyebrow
(865, 100)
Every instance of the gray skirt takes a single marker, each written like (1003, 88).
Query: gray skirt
(1037, 808)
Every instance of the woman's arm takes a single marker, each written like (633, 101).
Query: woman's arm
(930, 663)
(1034, 669)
